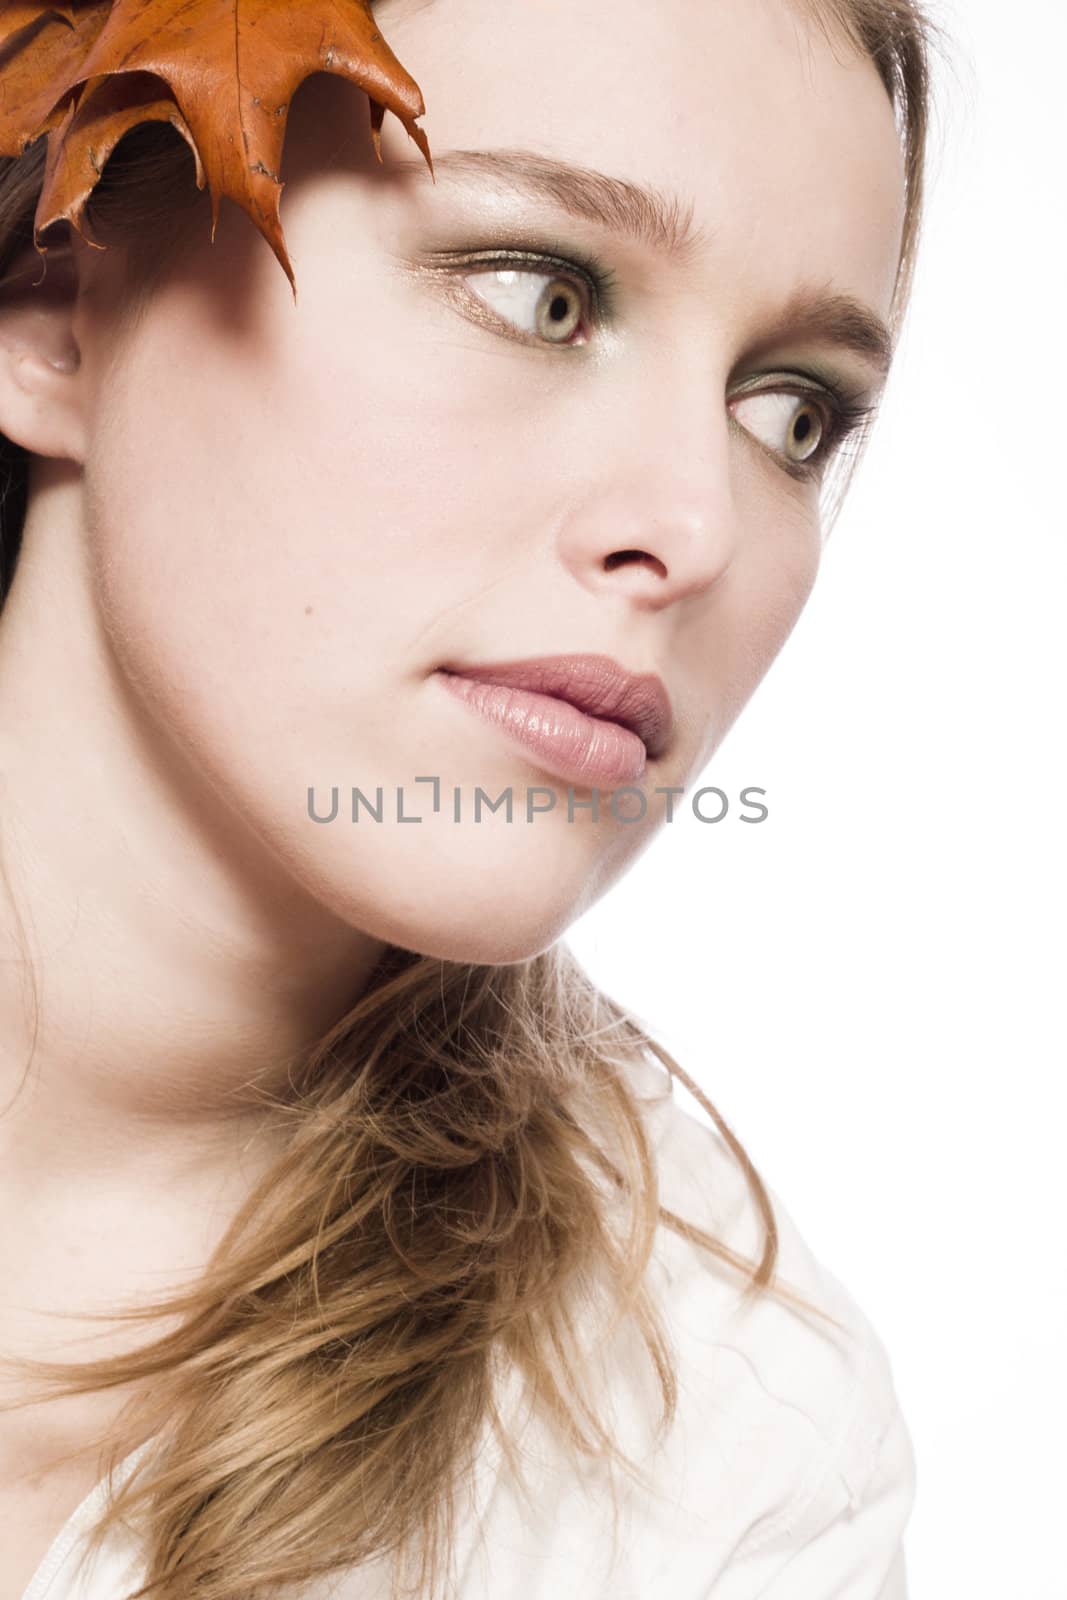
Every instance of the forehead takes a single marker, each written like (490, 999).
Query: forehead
(780, 139)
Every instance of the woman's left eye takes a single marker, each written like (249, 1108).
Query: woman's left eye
(794, 426)
(548, 305)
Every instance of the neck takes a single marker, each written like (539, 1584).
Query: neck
(173, 962)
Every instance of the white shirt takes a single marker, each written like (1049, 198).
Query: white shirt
(788, 1473)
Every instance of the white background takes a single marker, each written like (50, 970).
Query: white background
(870, 985)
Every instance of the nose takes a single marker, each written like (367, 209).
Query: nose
(657, 518)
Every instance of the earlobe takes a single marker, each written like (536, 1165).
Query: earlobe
(41, 387)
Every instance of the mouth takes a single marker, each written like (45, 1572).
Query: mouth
(585, 716)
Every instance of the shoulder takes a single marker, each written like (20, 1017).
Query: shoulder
(786, 1472)
(798, 1420)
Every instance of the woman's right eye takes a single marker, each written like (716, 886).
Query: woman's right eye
(541, 306)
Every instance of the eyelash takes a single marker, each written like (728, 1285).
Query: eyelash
(843, 417)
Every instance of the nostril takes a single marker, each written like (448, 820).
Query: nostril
(641, 557)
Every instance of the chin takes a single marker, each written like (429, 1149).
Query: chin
(469, 931)
(479, 947)
(483, 923)
(450, 896)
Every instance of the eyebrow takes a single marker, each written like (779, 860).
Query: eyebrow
(657, 220)
(840, 320)
(637, 211)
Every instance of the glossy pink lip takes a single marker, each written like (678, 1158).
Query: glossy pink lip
(583, 714)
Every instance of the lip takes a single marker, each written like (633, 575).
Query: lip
(584, 715)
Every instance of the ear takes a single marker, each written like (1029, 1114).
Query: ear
(42, 390)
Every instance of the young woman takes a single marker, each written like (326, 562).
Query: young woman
(352, 1239)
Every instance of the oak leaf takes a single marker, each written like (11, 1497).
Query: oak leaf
(222, 72)
(19, 14)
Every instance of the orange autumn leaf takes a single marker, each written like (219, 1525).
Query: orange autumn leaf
(222, 72)
(19, 14)
(34, 61)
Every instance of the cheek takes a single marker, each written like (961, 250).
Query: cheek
(254, 559)
(273, 609)
(283, 539)
(757, 604)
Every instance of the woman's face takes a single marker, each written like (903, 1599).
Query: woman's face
(297, 514)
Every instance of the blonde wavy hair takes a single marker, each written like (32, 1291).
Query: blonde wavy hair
(465, 1167)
